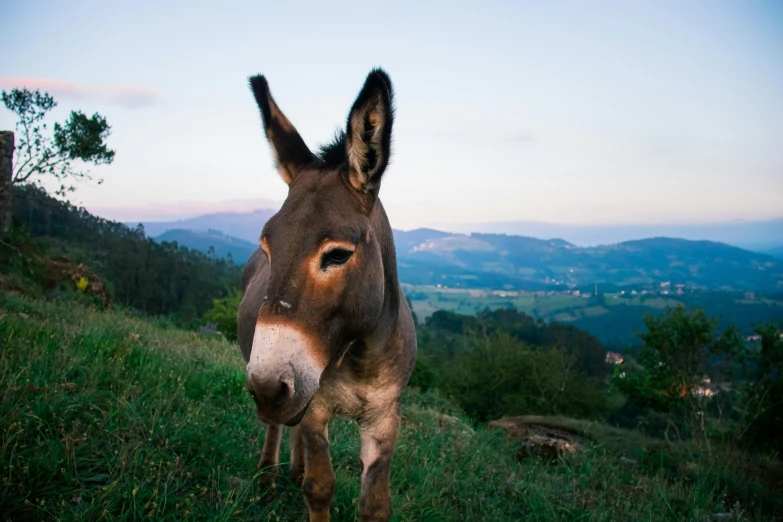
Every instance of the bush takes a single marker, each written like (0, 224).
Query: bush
(424, 375)
(223, 314)
(503, 376)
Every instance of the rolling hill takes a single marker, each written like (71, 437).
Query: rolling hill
(222, 244)
(755, 235)
(519, 261)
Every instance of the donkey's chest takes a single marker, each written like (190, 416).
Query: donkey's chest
(355, 399)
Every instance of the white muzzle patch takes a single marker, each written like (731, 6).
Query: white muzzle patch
(283, 352)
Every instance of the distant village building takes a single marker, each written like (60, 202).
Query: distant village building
(703, 391)
(505, 293)
(614, 358)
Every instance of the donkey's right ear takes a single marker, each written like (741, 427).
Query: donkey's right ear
(291, 153)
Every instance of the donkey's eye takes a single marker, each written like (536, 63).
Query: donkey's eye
(335, 257)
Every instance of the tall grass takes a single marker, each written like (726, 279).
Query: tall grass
(107, 416)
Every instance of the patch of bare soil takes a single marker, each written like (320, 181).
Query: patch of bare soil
(540, 440)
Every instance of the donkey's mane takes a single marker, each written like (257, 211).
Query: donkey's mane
(333, 154)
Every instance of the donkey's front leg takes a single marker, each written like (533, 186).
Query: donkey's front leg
(297, 454)
(378, 433)
(268, 465)
(319, 476)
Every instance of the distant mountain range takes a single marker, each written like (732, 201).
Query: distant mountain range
(516, 261)
(242, 225)
(428, 256)
(765, 236)
(758, 236)
(776, 252)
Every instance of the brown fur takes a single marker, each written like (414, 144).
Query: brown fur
(350, 318)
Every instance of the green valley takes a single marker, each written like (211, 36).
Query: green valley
(614, 317)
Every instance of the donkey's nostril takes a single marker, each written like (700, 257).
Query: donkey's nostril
(285, 392)
(276, 391)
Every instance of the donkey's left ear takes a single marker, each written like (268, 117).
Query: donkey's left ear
(291, 153)
(368, 137)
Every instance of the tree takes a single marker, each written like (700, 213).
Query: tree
(39, 153)
(683, 350)
(765, 383)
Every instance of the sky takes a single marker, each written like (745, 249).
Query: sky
(564, 112)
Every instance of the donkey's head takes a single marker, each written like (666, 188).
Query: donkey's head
(326, 286)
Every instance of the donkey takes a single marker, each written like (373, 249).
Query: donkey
(323, 324)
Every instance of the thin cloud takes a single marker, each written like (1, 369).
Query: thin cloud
(159, 211)
(127, 96)
(522, 137)
(476, 134)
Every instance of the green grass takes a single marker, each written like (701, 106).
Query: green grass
(107, 416)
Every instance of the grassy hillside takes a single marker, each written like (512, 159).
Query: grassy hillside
(104, 415)
(52, 238)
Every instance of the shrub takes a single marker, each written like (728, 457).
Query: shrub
(224, 314)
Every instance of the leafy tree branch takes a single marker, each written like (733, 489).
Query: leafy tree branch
(60, 154)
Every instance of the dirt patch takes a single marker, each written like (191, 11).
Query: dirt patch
(540, 440)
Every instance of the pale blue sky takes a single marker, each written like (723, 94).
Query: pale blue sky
(570, 112)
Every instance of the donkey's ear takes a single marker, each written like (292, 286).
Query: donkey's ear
(368, 138)
(291, 153)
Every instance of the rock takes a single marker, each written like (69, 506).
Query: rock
(547, 446)
(539, 440)
(236, 482)
(445, 422)
(99, 477)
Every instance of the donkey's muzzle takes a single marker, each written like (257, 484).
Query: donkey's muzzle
(283, 373)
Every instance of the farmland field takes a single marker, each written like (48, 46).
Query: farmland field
(612, 317)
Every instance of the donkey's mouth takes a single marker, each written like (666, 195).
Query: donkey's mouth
(296, 419)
